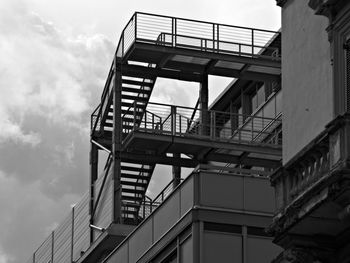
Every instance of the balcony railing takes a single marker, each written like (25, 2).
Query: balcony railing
(148, 205)
(302, 173)
(187, 122)
(197, 35)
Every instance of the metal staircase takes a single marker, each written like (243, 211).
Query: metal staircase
(135, 177)
(154, 46)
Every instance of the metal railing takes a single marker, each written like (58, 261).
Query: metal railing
(198, 35)
(148, 205)
(186, 122)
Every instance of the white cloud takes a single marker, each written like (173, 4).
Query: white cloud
(46, 72)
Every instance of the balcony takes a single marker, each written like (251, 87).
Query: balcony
(177, 44)
(214, 196)
(312, 190)
(170, 128)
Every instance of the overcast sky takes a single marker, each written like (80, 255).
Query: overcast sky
(54, 58)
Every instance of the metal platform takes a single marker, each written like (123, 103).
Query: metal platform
(185, 49)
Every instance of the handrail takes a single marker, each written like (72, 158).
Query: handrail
(194, 112)
(155, 202)
(207, 47)
(205, 22)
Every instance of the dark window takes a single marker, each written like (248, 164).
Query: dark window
(256, 231)
(223, 228)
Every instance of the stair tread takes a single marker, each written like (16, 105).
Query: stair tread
(135, 169)
(134, 176)
(134, 98)
(132, 191)
(132, 198)
(137, 83)
(136, 90)
(133, 183)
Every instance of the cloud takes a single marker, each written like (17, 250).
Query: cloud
(25, 217)
(50, 81)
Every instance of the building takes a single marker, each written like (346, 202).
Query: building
(312, 186)
(221, 209)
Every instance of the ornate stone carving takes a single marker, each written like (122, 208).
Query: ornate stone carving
(297, 255)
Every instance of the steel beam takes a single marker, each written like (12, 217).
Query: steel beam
(158, 159)
(203, 105)
(93, 178)
(116, 141)
(149, 73)
(257, 60)
(176, 170)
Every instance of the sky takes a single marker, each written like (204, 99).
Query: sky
(54, 59)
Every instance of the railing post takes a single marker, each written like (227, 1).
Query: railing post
(72, 236)
(52, 244)
(173, 120)
(213, 37)
(252, 42)
(135, 24)
(217, 37)
(172, 31)
(203, 103)
(180, 127)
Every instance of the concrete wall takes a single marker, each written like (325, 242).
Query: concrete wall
(306, 76)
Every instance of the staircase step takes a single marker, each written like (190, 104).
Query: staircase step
(131, 198)
(132, 191)
(133, 183)
(130, 212)
(139, 111)
(128, 104)
(135, 169)
(137, 91)
(129, 204)
(133, 176)
(137, 83)
(134, 98)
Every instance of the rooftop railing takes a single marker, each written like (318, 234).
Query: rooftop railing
(198, 35)
(186, 122)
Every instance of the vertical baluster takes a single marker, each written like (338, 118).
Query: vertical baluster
(180, 128)
(217, 38)
(252, 42)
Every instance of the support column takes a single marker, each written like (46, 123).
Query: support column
(116, 142)
(93, 178)
(203, 105)
(176, 171)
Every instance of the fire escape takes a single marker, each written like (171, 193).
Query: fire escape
(138, 134)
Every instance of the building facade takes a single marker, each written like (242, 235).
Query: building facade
(220, 211)
(312, 186)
